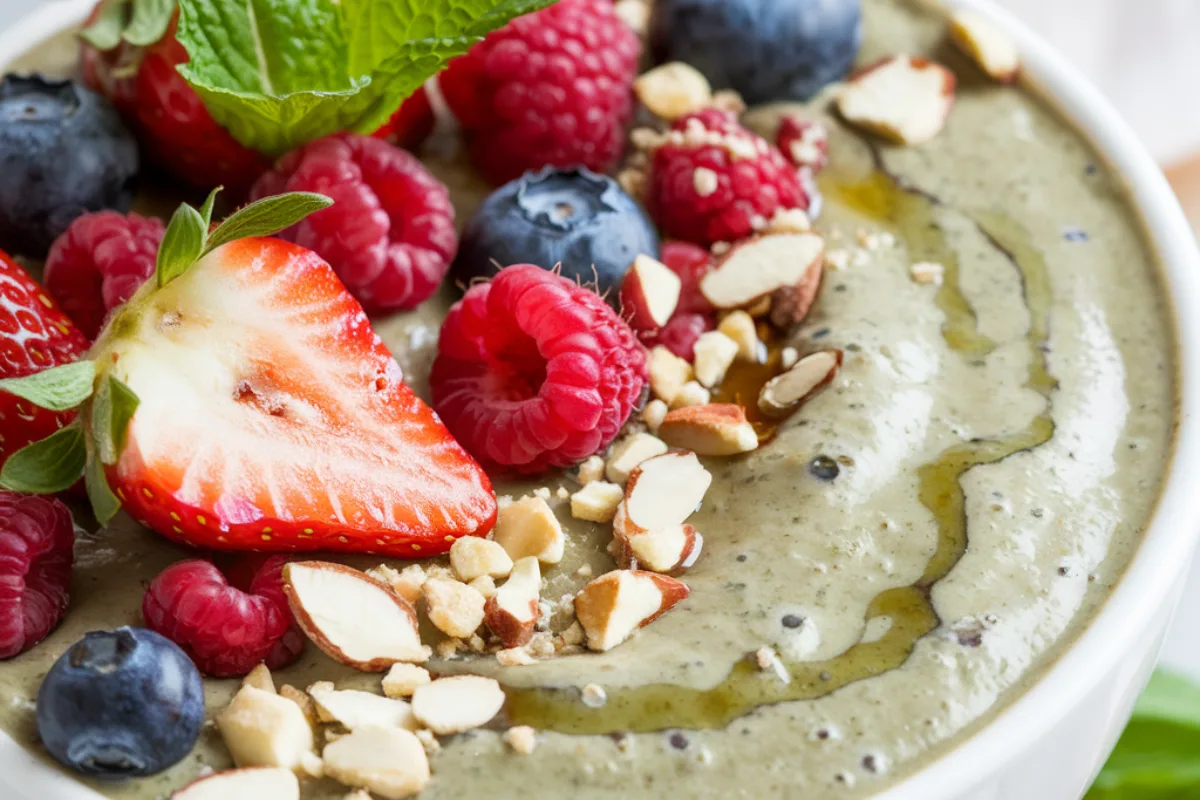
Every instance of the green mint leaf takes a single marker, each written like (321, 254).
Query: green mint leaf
(181, 245)
(207, 209)
(105, 504)
(49, 466)
(57, 389)
(104, 33)
(267, 217)
(149, 22)
(278, 74)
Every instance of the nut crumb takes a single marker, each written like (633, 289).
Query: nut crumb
(522, 739)
(788, 357)
(584, 571)
(704, 181)
(594, 696)
(590, 470)
(768, 660)
(927, 272)
(515, 657)
(653, 414)
(428, 741)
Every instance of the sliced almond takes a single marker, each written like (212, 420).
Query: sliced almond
(354, 709)
(904, 99)
(403, 679)
(757, 268)
(663, 492)
(388, 762)
(512, 612)
(454, 608)
(711, 430)
(670, 551)
(597, 502)
(988, 46)
(528, 527)
(257, 783)
(262, 729)
(457, 704)
(649, 294)
(356, 620)
(668, 373)
(739, 326)
(472, 557)
(260, 678)
(784, 393)
(673, 90)
(791, 304)
(613, 606)
(631, 451)
(715, 353)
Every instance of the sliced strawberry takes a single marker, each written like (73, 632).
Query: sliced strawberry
(272, 417)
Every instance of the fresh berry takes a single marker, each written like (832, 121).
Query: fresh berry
(120, 704)
(175, 129)
(804, 142)
(37, 541)
(691, 263)
(574, 220)
(63, 152)
(224, 630)
(34, 335)
(390, 234)
(766, 50)
(99, 262)
(549, 88)
(680, 334)
(412, 123)
(272, 417)
(535, 372)
(704, 191)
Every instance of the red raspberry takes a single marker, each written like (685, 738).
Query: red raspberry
(804, 142)
(37, 549)
(411, 124)
(535, 372)
(691, 263)
(747, 181)
(553, 87)
(390, 234)
(224, 630)
(680, 334)
(99, 262)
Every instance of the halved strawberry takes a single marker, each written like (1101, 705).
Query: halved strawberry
(272, 417)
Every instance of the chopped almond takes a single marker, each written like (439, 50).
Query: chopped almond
(673, 90)
(262, 729)
(245, 784)
(927, 272)
(649, 293)
(597, 502)
(668, 373)
(692, 394)
(388, 762)
(403, 679)
(592, 469)
(654, 413)
(715, 353)
(513, 612)
(454, 608)
(635, 14)
(472, 557)
(301, 699)
(260, 678)
(784, 393)
(457, 704)
(356, 620)
(711, 430)
(670, 551)
(739, 326)
(515, 657)
(485, 585)
(629, 452)
(758, 269)
(902, 98)
(528, 527)
(987, 45)
(522, 739)
(354, 709)
(613, 606)
(663, 492)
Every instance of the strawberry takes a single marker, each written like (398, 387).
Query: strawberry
(34, 335)
(260, 411)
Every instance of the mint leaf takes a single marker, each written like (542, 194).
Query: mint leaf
(104, 33)
(279, 73)
(57, 389)
(49, 466)
(149, 21)
(105, 504)
(181, 245)
(267, 217)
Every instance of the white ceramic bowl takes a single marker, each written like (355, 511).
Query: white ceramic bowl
(1049, 744)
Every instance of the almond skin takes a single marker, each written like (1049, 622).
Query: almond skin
(808, 377)
(511, 614)
(717, 429)
(904, 99)
(613, 606)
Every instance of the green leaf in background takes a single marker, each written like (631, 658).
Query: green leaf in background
(149, 21)
(49, 466)
(104, 32)
(279, 73)
(181, 245)
(267, 216)
(1158, 755)
(58, 389)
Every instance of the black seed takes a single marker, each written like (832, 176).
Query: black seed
(1037, 512)
(1064, 571)
(1075, 234)
(824, 468)
(792, 621)
(870, 763)
(678, 741)
(823, 734)
(742, 557)
(820, 333)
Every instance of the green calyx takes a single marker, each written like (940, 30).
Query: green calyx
(105, 404)
(138, 22)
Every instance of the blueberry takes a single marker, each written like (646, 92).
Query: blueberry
(63, 152)
(768, 50)
(571, 217)
(121, 704)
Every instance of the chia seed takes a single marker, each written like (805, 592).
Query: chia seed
(792, 621)
(678, 741)
(824, 468)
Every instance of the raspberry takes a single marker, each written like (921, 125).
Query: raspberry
(99, 262)
(224, 630)
(549, 88)
(680, 334)
(390, 234)
(535, 372)
(711, 180)
(37, 544)
(411, 124)
(691, 263)
(804, 142)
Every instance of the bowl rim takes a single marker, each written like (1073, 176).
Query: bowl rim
(1170, 538)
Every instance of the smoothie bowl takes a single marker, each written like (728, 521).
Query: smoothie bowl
(831, 447)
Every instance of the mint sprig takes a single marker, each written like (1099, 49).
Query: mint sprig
(277, 75)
